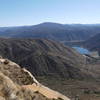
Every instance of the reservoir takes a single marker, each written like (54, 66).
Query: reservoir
(82, 50)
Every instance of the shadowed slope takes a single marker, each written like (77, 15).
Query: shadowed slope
(44, 57)
(93, 43)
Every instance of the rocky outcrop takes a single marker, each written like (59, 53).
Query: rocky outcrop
(10, 91)
(13, 85)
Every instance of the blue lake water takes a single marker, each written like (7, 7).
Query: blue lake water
(82, 50)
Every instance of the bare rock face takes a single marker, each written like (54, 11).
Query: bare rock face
(17, 83)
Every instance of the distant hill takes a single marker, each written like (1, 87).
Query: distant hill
(93, 43)
(44, 57)
(55, 31)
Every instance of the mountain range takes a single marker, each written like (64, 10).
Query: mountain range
(40, 51)
(54, 31)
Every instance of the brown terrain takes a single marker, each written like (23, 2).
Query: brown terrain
(19, 84)
(54, 65)
(44, 57)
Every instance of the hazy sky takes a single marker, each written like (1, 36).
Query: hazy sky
(30, 12)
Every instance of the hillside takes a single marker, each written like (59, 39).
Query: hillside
(44, 57)
(53, 64)
(17, 83)
(54, 31)
(13, 85)
(93, 43)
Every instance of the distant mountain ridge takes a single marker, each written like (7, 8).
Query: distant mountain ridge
(54, 31)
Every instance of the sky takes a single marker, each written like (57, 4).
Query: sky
(31, 12)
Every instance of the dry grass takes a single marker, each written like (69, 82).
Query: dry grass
(12, 91)
(17, 74)
(12, 77)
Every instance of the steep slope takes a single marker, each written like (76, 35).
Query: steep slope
(16, 73)
(11, 89)
(55, 31)
(93, 43)
(44, 57)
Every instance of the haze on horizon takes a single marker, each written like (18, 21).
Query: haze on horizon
(31, 12)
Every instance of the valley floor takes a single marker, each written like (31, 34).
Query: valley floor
(76, 90)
